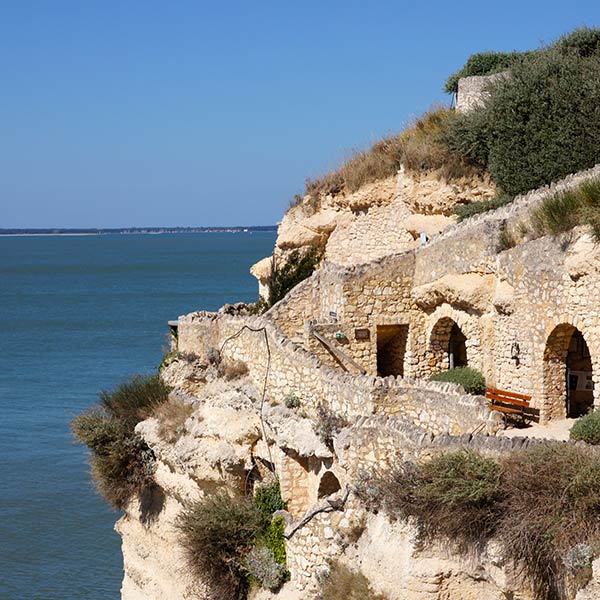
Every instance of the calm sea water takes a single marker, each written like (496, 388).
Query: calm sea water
(77, 315)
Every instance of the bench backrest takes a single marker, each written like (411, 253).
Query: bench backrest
(496, 395)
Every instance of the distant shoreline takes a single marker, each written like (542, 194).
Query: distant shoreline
(133, 231)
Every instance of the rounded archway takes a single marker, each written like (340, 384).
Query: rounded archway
(448, 344)
(568, 384)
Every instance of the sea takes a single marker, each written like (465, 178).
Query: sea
(80, 314)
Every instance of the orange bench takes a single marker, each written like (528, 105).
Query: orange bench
(509, 403)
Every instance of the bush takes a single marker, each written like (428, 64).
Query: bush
(551, 505)
(298, 267)
(587, 428)
(232, 369)
(341, 583)
(472, 380)
(218, 532)
(122, 463)
(228, 538)
(263, 567)
(454, 495)
(133, 401)
(483, 63)
(562, 211)
(465, 211)
(542, 504)
(292, 401)
(538, 125)
(267, 499)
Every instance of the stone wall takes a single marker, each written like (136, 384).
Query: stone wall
(473, 91)
(507, 303)
(293, 370)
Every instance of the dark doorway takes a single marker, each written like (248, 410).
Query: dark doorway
(391, 349)
(457, 349)
(568, 385)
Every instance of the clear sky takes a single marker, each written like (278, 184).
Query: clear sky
(122, 113)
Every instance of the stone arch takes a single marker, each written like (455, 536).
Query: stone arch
(568, 388)
(439, 335)
(328, 485)
(448, 344)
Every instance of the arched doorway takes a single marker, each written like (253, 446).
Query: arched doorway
(568, 385)
(448, 344)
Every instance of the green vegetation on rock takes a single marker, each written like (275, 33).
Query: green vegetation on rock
(587, 428)
(472, 380)
(122, 463)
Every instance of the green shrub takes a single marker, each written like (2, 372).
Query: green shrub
(267, 499)
(292, 401)
(298, 267)
(342, 583)
(538, 125)
(133, 401)
(484, 63)
(122, 463)
(587, 428)
(584, 41)
(454, 495)
(217, 534)
(472, 380)
(464, 211)
(229, 539)
(275, 541)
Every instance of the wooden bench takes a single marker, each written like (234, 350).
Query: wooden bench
(509, 403)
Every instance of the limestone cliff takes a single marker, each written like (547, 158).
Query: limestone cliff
(381, 218)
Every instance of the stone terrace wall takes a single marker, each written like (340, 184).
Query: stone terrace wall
(438, 406)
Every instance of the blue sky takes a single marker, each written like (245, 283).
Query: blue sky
(213, 113)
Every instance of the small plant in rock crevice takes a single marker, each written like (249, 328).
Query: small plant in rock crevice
(328, 425)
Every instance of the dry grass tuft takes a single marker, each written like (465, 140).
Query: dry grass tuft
(420, 148)
(341, 583)
(230, 369)
(172, 416)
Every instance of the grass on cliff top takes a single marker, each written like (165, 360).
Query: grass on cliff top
(122, 464)
(420, 148)
(542, 504)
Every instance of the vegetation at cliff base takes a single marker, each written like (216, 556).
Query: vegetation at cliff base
(542, 504)
(472, 380)
(122, 464)
(232, 541)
